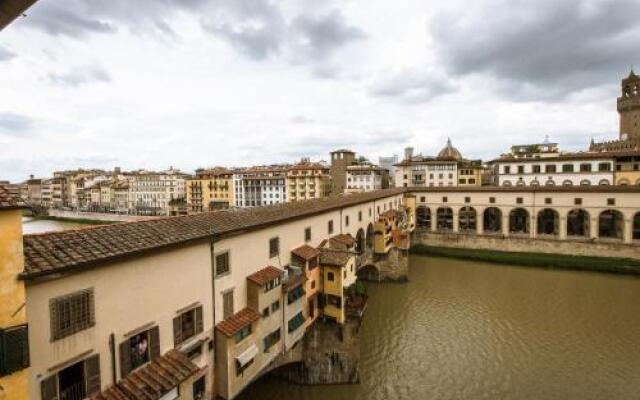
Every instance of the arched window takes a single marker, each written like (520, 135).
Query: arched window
(506, 183)
(567, 182)
(467, 219)
(610, 224)
(548, 222)
(550, 182)
(423, 217)
(444, 221)
(623, 182)
(578, 223)
(519, 221)
(492, 220)
(370, 237)
(585, 182)
(535, 183)
(360, 241)
(603, 182)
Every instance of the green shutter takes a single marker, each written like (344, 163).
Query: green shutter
(14, 349)
(154, 342)
(199, 321)
(92, 374)
(49, 388)
(125, 359)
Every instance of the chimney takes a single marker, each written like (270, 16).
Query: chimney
(408, 153)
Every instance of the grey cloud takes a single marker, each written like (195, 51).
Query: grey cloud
(317, 36)
(412, 86)
(542, 48)
(5, 54)
(14, 124)
(301, 119)
(80, 76)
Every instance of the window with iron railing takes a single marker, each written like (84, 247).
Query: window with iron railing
(71, 313)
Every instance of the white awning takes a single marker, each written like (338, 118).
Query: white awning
(246, 356)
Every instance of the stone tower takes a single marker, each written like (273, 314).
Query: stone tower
(340, 160)
(629, 107)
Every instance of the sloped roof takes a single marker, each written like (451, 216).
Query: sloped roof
(56, 252)
(265, 275)
(237, 321)
(305, 252)
(10, 198)
(153, 380)
(337, 258)
(344, 238)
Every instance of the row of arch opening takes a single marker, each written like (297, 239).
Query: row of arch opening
(610, 223)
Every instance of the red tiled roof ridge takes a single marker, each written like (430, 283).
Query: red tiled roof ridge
(306, 252)
(237, 321)
(265, 275)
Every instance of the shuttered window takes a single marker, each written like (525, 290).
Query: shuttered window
(274, 247)
(187, 325)
(138, 350)
(14, 349)
(222, 264)
(72, 313)
(85, 381)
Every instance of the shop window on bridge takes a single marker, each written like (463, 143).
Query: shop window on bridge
(295, 294)
(335, 301)
(492, 220)
(75, 382)
(271, 339)
(295, 322)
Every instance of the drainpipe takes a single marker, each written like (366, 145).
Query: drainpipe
(112, 350)
(213, 311)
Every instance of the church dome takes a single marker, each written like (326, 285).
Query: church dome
(449, 153)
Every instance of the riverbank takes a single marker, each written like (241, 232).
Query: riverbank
(611, 265)
(81, 221)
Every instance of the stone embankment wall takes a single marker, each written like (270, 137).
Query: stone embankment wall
(97, 216)
(528, 245)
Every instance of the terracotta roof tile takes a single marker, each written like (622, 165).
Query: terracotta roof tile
(265, 275)
(305, 252)
(79, 249)
(153, 380)
(10, 198)
(344, 238)
(337, 258)
(237, 321)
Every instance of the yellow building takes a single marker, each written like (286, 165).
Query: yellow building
(470, 173)
(338, 273)
(306, 258)
(307, 180)
(210, 190)
(14, 341)
(627, 169)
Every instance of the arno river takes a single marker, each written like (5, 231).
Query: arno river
(468, 330)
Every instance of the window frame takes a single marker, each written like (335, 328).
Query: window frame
(226, 253)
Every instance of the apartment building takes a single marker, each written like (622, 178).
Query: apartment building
(210, 190)
(365, 178)
(260, 186)
(307, 180)
(158, 193)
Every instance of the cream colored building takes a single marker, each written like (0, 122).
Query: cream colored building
(307, 180)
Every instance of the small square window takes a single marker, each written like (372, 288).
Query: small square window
(330, 276)
(519, 200)
(577, 201)
(423, 199)
(547, 200)
(611, 202)
(492, 200)
(467, 199)
(444, 199)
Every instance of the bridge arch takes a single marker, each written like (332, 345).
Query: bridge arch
(423, 217)
(444, 219)
(519, 221)
(578, 223)
(369, 272)
(467, 219)
(492, 220)
(610, 224)
(548, 222)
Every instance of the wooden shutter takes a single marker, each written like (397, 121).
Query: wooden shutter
(14, 349)
(54, 315)
(199, 321)
(177, 331)
(154, 342)
(227, 303)
(49, 388)
(92, 374)
(125, 359)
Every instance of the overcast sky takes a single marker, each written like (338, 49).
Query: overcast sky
(197, 83)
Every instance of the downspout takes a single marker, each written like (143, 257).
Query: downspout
(112, 350)
(213, 312)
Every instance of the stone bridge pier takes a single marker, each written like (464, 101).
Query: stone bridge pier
(392, 266)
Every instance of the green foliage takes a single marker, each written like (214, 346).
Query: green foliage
(625, 266)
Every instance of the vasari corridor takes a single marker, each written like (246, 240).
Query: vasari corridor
(336, 200)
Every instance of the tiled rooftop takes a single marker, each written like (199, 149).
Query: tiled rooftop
(265, 275)
(153, 380)
(237, 321)
(10, 198)
(305, 252)
(345, 239)
(337, 258)
(79, 249)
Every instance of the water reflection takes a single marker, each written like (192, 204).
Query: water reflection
(463, 330)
